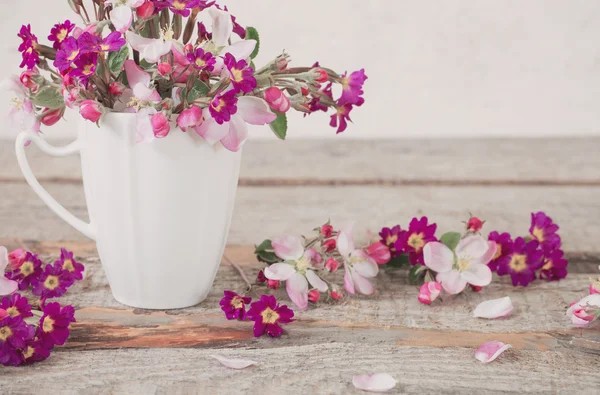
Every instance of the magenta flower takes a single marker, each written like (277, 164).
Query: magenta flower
(182, 7)
(68, 263)
(234, 305)
(544, 230)
(392, 238)
(54, 281)
(60, 32)
(523, 263)
(202, 60)
(504, 249)
(28, 273)
(352, 88)
(554, 266)
(418, 235)
(16, 305)
(223, 106)
(68, 52)
(203, 34)
(267, 315)
(14, 334)
(260, 277)
(54, 324)
(340, 119)
(86, 67)
(91, 43)
(28, 47)
(35, 351)
(242, 75)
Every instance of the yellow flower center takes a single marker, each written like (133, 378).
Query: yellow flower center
(345, 83)
(48, 324)
(237, 302)
(26, 268)
(220, 106)
(269, 316)
(547, 264)
(62, 35)
(391, 239)
(538, 234)
(498, 251)
(68, 265)
(178, 5)
(237, 75)
(73, 55)
(5, 333)
(28, 352)
(200, 62)
(18, 103)
(51, 282)
(302, 264)
(463, 264)
(416, 241)
(12, 311)
(518, 262)
(87, 69)
(104, 47)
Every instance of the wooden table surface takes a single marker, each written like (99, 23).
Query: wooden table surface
(291, 188)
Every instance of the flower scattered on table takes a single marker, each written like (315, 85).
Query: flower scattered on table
(234, 305)
(489, 351)
(236, 364)
(376, 382)
(495, 308)
(587, 310)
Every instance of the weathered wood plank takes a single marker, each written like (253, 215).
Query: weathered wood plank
(267, 212)
(319, 368)
(567, 161)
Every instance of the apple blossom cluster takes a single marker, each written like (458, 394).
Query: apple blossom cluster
(157, 59)
(587, 310)
(29, 331)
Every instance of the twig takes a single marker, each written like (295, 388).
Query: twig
(240, 271)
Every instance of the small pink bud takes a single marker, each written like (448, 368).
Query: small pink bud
(332, 265)
(595, 287)
(160, 125)
(329, 245)
(337, 295)
(188, 48)
(116, 88)
(165, 68)
(27, 81)
(476, 288)
(326, 230)
(91, 110)
(429, 292)
(277, 99)
(305, 91)
(583, 315)
(273, 284)
(146, 10)
(314, 295)
(52, 117)
(281, 64)
(16, 258)
(379, 252)
(320, 75)
(474, 224)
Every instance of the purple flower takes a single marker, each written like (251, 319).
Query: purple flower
(28, 47)
(544, 230)
(69, 264)
(419, 233)
(14, 334)
(523, 263)
(223, 106)
(242, 76)
(352, 87)
(182, 7)
(340, 119)
(202, 60)
(54, 324)
(504, 249)
(203, 34)
(68, 52)
(267, 315)
(234, 305)
(554, 266)
(16, 305)
(54, 282)
(86, 67)
(60, 32)
(35, 351)
(391, 237)
(91, 43)
(28, 273)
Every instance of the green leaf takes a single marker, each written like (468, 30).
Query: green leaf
(252, 34)
(49, 96)
(399, 261)
(117, 59)
(267, 257)
(279, 125)
(450, 239)
(416, 273)
(199, 89)
(264, 246)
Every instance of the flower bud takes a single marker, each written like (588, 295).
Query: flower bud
(16, 258)
(595, 287)
(379, 252)
(160, 125)
(91, 110)
(146, 10)
(116, 88)
(273, 284)
(51, 117)
(319, 75)
(304, 90)
(337, 295)
(329, 245)
(332, 265)
(277, 99)
(281, 63)
(326, 230)
(164, 68)
(476, 288)
(314, 295)
(188, 48)
(474, 224)
(27, 80)
(429, 292)
(261, 278)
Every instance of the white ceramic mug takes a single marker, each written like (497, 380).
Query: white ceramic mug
(159, 212)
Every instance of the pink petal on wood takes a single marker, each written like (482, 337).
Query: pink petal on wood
(234, 363)
(495, 308)
(489, 351)
(376, 382)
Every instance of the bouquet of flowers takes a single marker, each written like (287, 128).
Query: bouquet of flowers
(156, 58)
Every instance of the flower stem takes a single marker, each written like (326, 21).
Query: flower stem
(240, 271)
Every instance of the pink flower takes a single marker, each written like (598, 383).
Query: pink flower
(297, 269)
(190, 118)
(474, 224)
(337, 294)
(51, 117)
(16, 258)
(429, 292)
(273, 284)
(326, 230)
(585, 311)
(222, 29)
(332, 265)
(91, 110)
(6, 286)
(160, 125)
(469, 267)
(358, 265)
(277, 99)
(165, 68)
(150, 49)
(27, 80)
(22, 116)
(121, 15)
(139, 81)
(314, 295)
(267, 315)
(379, 252)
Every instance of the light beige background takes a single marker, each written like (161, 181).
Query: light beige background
(436, 68)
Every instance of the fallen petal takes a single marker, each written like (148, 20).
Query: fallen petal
(489, 351)
(234, 363)
(376, 382)
(495, 308)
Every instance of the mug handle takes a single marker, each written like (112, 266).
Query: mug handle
(70, 149)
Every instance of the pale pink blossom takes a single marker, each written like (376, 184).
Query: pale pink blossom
(495, 308)
(376, 382)
(22, 115)
(429, 292)
(16, 258)
(190, 118)
(6, 286)
(234, 363)
(150, 49)
(121, 15)
(470, 266)
(91, 110)
(140, 83)
(144, 132)
(379, 252)
(160, 125)
(222, 28)
(358, 266)
(489, 351)
(297, 270)
(581, 311)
